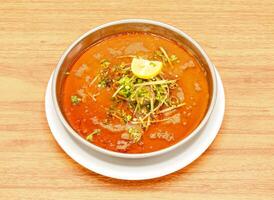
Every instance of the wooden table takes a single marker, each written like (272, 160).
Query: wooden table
(238, 36)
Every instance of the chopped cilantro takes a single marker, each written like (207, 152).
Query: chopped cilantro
(174, 58)
(105, 63)
(102, 83)
(75, 100)
(135, 134)
(90, 136)
(127, 118)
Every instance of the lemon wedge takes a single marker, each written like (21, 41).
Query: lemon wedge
(145, 69)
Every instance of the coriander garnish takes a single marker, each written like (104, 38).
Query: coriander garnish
(174, 58)
(90, 136)
(104, 74)
(75, 100)
(163, 55)
(143, 99)
(105, 63)
(135, 134)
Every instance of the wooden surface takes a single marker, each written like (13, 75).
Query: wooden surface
(237, 35)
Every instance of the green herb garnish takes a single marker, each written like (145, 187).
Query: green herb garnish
(174, 58)
(127, 118)
(136, 100)
(135, 134)
(75, 100)
(102, 83)
(104, 74)
(90, 136)
(163, 55)
(105, 63)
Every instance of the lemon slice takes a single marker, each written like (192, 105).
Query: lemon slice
(145, 69)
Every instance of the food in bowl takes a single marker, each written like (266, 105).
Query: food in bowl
(135, 92)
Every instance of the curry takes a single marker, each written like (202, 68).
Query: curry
(135, 92)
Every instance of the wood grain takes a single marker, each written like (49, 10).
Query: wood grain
(238, 36)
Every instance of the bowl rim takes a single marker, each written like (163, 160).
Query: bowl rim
(134, 155)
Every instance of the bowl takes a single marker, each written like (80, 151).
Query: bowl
(131, 25)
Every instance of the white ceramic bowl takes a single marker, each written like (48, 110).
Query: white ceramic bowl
(130, 25)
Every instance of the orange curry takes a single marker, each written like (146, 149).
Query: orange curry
(116, 108)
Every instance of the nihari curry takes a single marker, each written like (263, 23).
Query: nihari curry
(135, 93)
